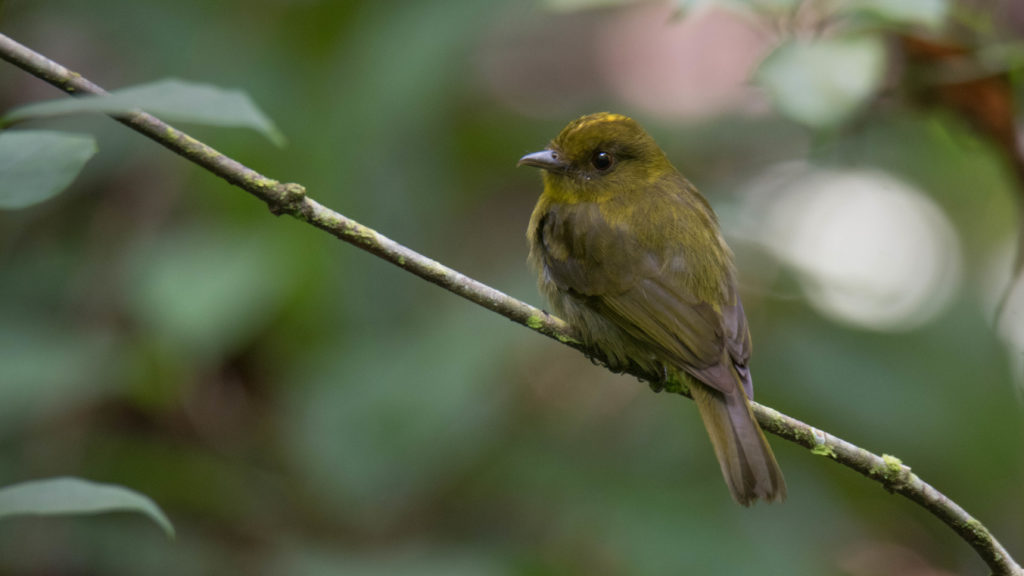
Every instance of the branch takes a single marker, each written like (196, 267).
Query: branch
(291, 199)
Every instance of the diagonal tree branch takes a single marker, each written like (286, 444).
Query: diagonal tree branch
(291, 199)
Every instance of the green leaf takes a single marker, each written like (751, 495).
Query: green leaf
(822, 83)
(64, 496)
(927, 13)
(37, 165)
(171, 99)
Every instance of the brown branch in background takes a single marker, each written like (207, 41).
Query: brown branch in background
(947, 75)
(291, 199)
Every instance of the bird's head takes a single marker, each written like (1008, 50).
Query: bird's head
(598, 154)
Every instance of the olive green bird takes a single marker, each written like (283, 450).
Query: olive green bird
(630, 254)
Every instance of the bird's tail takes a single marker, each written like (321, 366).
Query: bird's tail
(747, 460)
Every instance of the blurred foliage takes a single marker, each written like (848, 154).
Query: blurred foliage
(172, 100)
(36, 165)
(299, 407)
(823, 83)
(68, 496)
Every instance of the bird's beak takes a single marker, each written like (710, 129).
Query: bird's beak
(546, 159)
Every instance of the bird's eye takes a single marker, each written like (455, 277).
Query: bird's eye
(602, 160)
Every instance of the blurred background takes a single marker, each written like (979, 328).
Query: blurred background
(299, 407)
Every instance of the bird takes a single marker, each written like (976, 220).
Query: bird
(631, 255)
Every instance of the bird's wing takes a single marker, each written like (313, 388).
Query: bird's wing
(688, 333)
(737, 342)
(644, 292)
(685, 329)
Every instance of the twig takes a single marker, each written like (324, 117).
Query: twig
(291, 199)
